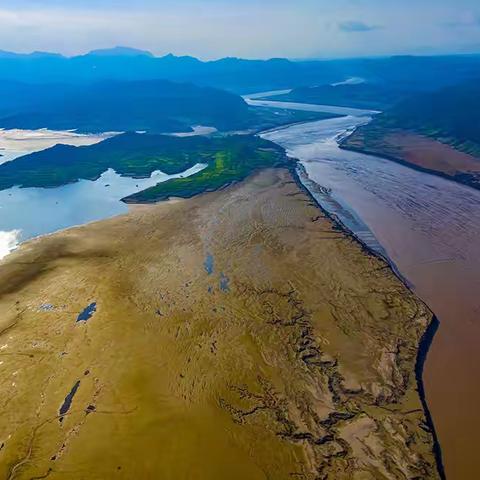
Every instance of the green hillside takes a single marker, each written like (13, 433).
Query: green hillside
(156, 106)
(449, 115)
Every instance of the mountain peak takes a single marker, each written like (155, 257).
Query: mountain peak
(120, 52)
(174, 58)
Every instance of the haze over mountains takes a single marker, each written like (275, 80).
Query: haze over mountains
(125, 89)
(239, 75)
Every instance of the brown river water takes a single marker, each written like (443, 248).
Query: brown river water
(429, 228)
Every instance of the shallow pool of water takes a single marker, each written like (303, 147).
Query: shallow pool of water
(29, 212)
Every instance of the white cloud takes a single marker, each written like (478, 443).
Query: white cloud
(216, 28)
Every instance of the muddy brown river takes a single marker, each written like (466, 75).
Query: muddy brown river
(429, 228)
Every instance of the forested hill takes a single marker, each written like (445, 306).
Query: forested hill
(449, 115)
(157, 106)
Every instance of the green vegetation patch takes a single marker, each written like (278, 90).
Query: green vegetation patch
(238, 157)
(229, 158)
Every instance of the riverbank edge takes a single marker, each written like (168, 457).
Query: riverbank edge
(343, 144)
(427, 337)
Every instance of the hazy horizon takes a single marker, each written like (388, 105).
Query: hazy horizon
(213, 29)
(293, 59)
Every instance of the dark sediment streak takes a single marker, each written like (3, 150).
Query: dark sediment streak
(423, 349)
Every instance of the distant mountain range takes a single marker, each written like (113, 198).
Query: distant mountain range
(121, 52)
(239, 75)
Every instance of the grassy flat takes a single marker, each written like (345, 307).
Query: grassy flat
(244, 156)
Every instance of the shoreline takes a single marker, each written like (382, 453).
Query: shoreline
(429, 334)
(344, 228)
(428, 227)
(423, 350)
(402, 162)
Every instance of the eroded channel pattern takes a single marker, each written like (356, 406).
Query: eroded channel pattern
(304, 369)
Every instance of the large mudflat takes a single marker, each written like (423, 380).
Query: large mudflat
(235, 335)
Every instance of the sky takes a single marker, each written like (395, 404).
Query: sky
(211, 29)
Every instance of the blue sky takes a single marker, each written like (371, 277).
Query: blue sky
(253, 29)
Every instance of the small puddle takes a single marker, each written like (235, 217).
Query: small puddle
(87, 313)
(224, 283)
(208, 263)
(68, 400)
(47, 307)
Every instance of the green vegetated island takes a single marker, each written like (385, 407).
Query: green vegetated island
(228, 159)
(438, 132)
(266, 118)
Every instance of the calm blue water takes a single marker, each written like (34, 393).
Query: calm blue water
(87, 313)
(208, 264)
(29, 212)
(68, 400)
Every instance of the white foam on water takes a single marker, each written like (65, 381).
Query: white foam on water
(8, 242)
